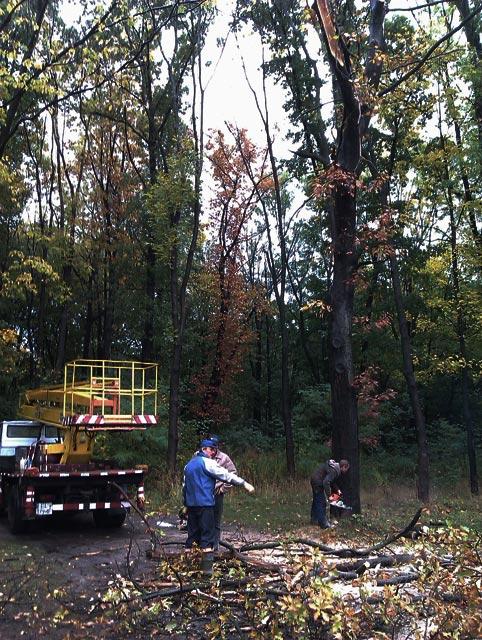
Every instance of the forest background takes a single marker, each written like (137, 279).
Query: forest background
(306, 269)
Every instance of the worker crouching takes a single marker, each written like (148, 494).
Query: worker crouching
(323, 486)
(200, 476)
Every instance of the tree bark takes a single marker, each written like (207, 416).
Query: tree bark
(460, 328)
(279, 276)
(472, 33)
(423, 477)
(150, 255)
(342, 181)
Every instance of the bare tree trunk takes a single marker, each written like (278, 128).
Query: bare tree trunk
(423, 478)
(257, 372)
(354, 127)
(465, 374)
(41, 310)
(279, 275)
(472, 33)
(423, 458)
(460, 326)
(345, 441)
(109, 305)
(179, 282)
(178, 315)
(89, 321)
(68, 216)
(269, 369)
(468, 195)
(150, 255)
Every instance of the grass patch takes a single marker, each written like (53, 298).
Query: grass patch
(280, 504)
(283, 506)
(273, 507)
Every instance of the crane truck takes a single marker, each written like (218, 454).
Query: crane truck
(47, 463)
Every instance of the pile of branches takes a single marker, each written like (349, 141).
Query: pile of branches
(421, 582)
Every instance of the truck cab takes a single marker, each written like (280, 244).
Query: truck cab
(17, 437)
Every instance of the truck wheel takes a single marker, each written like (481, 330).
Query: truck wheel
(109, 518)
(16, 523)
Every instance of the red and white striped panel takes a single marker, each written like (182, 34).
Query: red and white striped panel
(145, 419)
(87, 506)
(94, 419)
(83, 418)
(28, 501)
(88, 419)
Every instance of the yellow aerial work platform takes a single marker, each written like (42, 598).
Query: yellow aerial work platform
(96, 395)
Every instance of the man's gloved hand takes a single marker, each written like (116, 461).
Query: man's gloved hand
(249, 487)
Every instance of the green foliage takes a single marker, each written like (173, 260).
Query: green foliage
(170, 200)
(312, 426)
(133, 448)
(97, 194)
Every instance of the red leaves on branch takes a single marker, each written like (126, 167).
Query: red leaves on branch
(377, 238)
(235, 167)
(335, 179)
(374, 237)
(370, 397)
(367, 325)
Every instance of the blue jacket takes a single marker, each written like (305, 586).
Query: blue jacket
(200, 475)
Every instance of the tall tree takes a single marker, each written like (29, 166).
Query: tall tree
(232, 207)
(341, 181)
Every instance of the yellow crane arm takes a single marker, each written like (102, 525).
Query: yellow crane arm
(96, 395)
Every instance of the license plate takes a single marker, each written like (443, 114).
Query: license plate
(44, 509)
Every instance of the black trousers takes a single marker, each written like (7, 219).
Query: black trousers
(318, 507)
(200, 527)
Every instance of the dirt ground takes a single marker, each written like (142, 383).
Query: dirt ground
(65, 565)
(52, 575)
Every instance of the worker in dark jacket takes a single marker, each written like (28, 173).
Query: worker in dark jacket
(200, 475)
(323, 485)
(221, 488)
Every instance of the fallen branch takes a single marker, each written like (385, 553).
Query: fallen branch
(402, 579)
(255, 562)
(187, 588)
(354, 553)
(382, 561)
(414, 598)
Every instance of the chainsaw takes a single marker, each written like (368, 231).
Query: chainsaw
(336, 501)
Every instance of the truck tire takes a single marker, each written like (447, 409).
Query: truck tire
(16, 523)
(109, 518)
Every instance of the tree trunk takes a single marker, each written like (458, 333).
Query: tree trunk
(150, 290)
(174, 405)
(257, 373)
(314, 369)
(460, 328)
(345, 441)
(423, 475)
(369, 309)
(286, 394)
(279, 273)
(89, 321)
(74, 191)
(472, 33)
(269, 377)
(341, 178)
(109, 304)
(150, 255)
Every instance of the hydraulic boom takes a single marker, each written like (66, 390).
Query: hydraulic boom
(96, 395)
